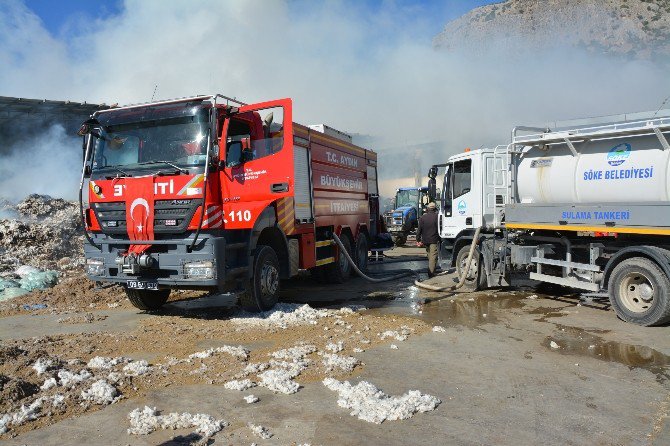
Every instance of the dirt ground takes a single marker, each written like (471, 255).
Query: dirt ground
(508, 366)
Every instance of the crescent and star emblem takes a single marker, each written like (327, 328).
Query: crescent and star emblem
(139, 202)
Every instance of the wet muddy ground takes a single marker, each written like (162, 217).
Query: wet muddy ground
(510, 367)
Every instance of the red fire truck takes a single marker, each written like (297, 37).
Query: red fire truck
(210, 193)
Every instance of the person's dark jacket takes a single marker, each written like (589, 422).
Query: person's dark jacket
(427, 233)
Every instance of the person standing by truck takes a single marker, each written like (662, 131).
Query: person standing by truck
(428, 236)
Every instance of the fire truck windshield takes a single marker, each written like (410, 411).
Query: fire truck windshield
(150, 137)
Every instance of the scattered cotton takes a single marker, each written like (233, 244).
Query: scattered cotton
(101, 392)
(370, 404)
(261, 431)
(69, 379)
(49, 383)
(101, 362)
(279, 380)
(294, 353)
(284, 315)
(137, 368)
(332, 361)
(358, 350)
(438, 329)
(250, 399)
(25, 413)
(42, 365)
(554, 345)
(240, 385)
(238, 352)
(394, 347)
(398, 336)
(335, 347)
(58, 400)
(147, 420)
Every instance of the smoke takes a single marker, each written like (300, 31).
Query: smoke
(369, 72)
(47, 163)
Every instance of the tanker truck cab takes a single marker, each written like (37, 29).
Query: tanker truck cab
(467, 200)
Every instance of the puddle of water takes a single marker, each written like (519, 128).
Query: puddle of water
(578, 342)
(470, 310)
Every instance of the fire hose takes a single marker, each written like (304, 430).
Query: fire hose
(398, 273)
(461, 282)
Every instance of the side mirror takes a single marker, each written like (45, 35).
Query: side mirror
(432, 189)
(432, 172)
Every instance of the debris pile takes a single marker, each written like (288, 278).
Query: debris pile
(46, 233)
(370, 404)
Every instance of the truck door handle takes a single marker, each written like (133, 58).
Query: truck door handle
(279, 187)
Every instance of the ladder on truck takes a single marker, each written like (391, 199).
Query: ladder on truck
(502, 187)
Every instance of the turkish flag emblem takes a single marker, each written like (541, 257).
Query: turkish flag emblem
(139, 194)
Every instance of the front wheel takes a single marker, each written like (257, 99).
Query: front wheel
(147, 300)
(640, 292)
(262, 291)
(475, 280)
(400, 240)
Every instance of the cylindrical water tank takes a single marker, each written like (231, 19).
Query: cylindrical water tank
(624, 169)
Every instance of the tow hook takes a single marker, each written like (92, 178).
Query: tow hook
(131, 264)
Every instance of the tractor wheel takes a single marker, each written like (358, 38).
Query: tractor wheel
(475, 279)
(640, 292)
(340, 270)
(147, 300)
(262, 291)
(361, 254)
(400, 240)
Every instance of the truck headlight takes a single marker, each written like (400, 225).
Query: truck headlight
(95, 267)
(199, 270)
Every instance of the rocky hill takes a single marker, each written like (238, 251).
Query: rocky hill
(633, 28)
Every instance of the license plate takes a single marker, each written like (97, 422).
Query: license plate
(142, 285)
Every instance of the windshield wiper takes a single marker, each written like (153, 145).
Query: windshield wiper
(125, 174)
(181, 170)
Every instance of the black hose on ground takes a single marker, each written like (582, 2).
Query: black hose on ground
(398, 273)
(468, 262)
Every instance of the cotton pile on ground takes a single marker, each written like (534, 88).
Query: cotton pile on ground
(147, 420)
(60, 371)
(46, 233)
(370, 404)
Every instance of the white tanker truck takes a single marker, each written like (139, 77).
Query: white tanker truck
(587, 208)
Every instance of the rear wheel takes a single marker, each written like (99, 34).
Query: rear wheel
(361, 256)
(475, 279)
(640, 292)
(340, 270)
(262, 291)
(147, 300)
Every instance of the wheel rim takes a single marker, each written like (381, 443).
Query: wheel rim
(472, 274)
(269, 279)
(636, 292)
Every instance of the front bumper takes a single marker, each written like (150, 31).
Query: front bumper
(168, 268)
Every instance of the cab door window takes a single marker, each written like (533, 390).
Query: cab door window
(462, 178)
(253, 135)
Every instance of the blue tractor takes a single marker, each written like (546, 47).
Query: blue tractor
(410, 203)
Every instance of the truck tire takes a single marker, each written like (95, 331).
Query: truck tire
(147, 300)
(400, 240)
(475, 280)
(361, 254)
(640, 292)
(340, 270)
(262, 292)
